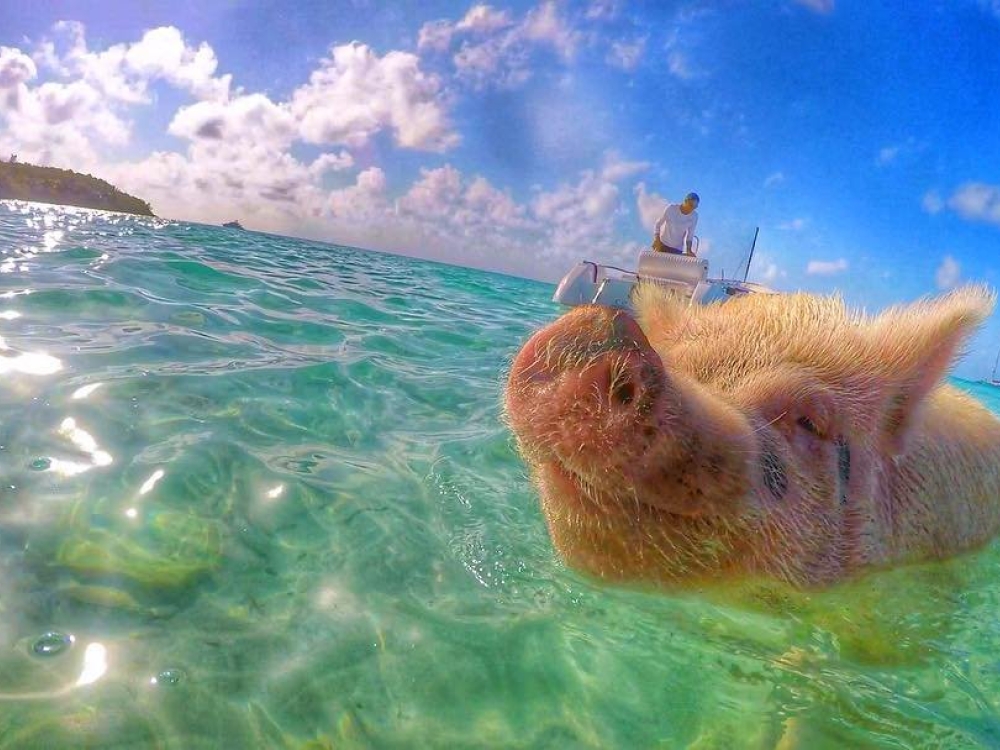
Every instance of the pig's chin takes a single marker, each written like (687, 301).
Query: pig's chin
(609, 493)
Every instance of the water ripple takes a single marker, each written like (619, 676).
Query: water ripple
(265, 484)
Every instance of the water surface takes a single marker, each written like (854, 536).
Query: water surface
(257, 492)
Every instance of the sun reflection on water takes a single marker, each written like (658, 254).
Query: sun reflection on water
(150, 483)
(12, 264)
(85, 391)
(27, 363)
(85, 443)
(51, 239)
(95, 664)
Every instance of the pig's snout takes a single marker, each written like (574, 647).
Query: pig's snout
(595, 356)
(586, 390)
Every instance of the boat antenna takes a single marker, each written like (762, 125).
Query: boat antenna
(746, 273)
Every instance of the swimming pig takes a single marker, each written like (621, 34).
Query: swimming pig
(774, 436)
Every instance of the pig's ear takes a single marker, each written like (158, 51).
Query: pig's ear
(914, 347)
(658, 309)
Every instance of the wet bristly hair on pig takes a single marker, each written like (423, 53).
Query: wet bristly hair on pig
(777, 435)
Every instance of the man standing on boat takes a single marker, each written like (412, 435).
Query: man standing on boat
(676, 227)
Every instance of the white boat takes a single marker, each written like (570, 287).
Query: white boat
(994, 380)
(590, 283)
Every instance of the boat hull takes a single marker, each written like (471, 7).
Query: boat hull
(589, 283)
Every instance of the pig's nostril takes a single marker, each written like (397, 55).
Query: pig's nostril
(623, 392)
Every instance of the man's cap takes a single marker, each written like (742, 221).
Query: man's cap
(692, 197)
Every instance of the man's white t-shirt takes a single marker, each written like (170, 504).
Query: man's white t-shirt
(674, 224)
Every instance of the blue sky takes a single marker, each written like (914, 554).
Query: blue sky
(862, 138)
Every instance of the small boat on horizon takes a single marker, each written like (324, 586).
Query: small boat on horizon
(590, 283)
(994, 380)
(233, 225)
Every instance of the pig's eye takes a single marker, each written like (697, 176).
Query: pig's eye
(808, 425)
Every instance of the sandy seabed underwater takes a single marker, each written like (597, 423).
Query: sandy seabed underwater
(257, 492)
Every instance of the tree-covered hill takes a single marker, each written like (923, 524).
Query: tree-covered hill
(50, 185)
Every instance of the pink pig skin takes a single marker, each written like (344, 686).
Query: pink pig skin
(774, 436)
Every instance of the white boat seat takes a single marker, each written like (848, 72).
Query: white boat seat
(678, 269)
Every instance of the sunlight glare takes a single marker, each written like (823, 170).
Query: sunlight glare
(86, 390)
(30, 364)
(95, 664)
(84, 442)
(150, 483)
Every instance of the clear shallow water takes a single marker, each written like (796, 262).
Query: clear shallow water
(256, 492)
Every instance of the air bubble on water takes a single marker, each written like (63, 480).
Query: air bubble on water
(168, 677)
(52, 643)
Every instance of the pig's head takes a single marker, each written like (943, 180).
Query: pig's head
(691, 444)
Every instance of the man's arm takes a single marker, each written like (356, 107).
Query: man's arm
(659, 223)
(690, 234)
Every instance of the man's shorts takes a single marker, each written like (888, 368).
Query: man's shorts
(659, 247)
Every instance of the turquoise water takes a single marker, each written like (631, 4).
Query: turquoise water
(257, 493)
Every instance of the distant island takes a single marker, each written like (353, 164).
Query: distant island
(26, 182)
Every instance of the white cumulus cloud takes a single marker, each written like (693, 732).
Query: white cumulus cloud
(948, 273)
(444, 199)
(826, 267)
(271, 160)
(897, 151)
(362, 201)
(579, 219)
(617, 168)
(163, 53)
(649, 205)
(977, 201)
(679, 64)
(546, 24)
(16, 68)
(483, 19)
(626, 54)
(478, 21)
(124, 71)
(86, 104)
(887, 155)
(496, 51)
(932, 202)
(468, 220)
(249, 118)
(354, 94)
(217, 179)
(602, 10)
(58, 123)
(331, 162)
(794, 225)
(769, 274)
